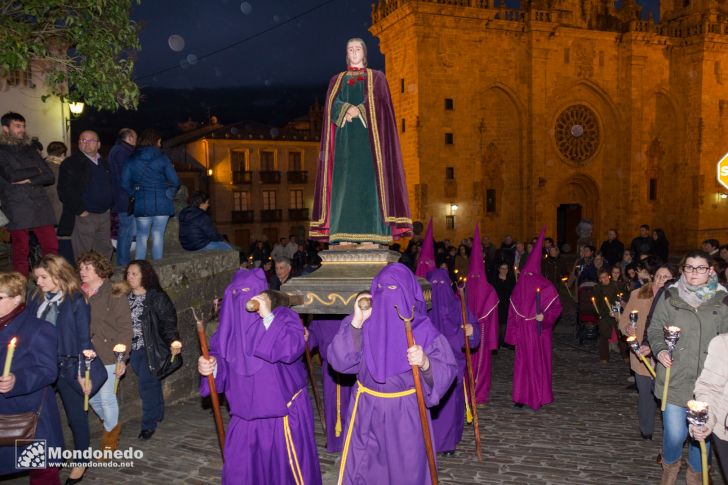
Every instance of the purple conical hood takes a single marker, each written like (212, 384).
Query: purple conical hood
(523, 298)
(426, 259)
(233, 339)
(445, 313)
(481, 296)
(383, 334)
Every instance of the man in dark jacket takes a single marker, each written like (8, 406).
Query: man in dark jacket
(642, 244)
(84, 187)
(612, 249)
(196, 230)
(118, 155)
(23, 173)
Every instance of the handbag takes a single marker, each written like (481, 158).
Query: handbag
(20, 426)
(170, 366)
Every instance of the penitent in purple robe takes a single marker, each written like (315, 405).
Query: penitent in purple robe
(270, 439)
(482, 300)
(448, 417)
(384, 442)
(533, 341)
(337, 387)
(426, 258)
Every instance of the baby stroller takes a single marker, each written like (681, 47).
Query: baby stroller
(586, 316)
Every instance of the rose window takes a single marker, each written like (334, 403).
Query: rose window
(577, 133)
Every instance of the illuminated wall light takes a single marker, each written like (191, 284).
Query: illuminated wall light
(209, 172)
(76, 107)
(724, 196)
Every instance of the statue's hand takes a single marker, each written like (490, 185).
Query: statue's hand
(352, 112)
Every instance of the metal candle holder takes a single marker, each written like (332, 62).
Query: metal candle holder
(697, 415)
(119, 350)
(634, 316)
(634, 345)
(672, 335)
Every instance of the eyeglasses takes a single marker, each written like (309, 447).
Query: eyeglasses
(696, 269)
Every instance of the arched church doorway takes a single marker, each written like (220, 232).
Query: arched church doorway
(577, 199)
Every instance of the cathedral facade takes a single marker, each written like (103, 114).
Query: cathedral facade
(559, 111)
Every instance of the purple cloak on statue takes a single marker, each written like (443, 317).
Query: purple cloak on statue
(337, 388)
(533, 341)
(384, 142)
(426, 258)
(448, 417)
(482, 300)
(384, 441)
(270, 438)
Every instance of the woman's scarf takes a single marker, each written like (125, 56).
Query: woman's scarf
(697, 295)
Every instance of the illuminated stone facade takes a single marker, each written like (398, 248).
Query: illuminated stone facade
(561, 110)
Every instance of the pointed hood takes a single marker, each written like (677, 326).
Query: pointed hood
(533, 264)
(481, 296)
(426, 259)
(234, 338)
(523, 298)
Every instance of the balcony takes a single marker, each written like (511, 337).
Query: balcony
(271, 215)
(297, 214)
(270, 177)
(242, 217)
(242, 178)
(297, 176)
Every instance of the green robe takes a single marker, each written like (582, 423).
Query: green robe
(355, 212)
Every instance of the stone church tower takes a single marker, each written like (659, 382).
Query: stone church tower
(559, 111)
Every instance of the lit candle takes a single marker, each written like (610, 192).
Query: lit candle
(538, 300)
(609, 305)
(89, 355)
(594, 304)
(9, 356)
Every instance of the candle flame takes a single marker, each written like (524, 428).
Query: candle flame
(631, 338)
(176, 344)
(697, 406)
(565, 278)
(634, 312)
(593, 299)
(673, 329)
(13, 341)
(121, 348)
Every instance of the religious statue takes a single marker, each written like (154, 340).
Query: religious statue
(584, 231)
(360, 194)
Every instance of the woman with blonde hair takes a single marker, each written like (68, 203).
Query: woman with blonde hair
(60, 301)
(110, 326)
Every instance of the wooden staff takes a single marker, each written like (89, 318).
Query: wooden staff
(316, 397)
(211, 383)
(471, 380)
(420, 398)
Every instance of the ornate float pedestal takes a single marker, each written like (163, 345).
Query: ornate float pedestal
(344, 272)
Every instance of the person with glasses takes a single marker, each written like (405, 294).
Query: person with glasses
(84, 188)
(712, 387)
(695, 304)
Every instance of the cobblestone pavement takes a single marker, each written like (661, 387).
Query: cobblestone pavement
(589, 435)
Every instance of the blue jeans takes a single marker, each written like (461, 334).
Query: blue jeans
(104, 401)
(156, 225)
(127, 231)
(150, 390)
(675, 424)
(216, 245)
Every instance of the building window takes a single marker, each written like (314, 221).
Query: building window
(296, 197)
(403, 125)
(449, 104)
(450, 173)
(653, 189)
(295, 161)
(239, 161)
(490, 201)
(241, 201)
(450, 222)
(401, 85)
(449, 139)
(269, 199)
(267, 161)
(19, 78)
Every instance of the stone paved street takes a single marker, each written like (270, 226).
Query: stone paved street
(589, 435)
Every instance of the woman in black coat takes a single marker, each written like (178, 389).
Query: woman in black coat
(155, 340)
(503, 282)
(661, 248)
(29, 386)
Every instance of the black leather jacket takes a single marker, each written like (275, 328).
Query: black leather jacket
(159, 328)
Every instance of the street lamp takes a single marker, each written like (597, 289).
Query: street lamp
(76, 108)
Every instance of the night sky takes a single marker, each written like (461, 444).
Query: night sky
(292, 47)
